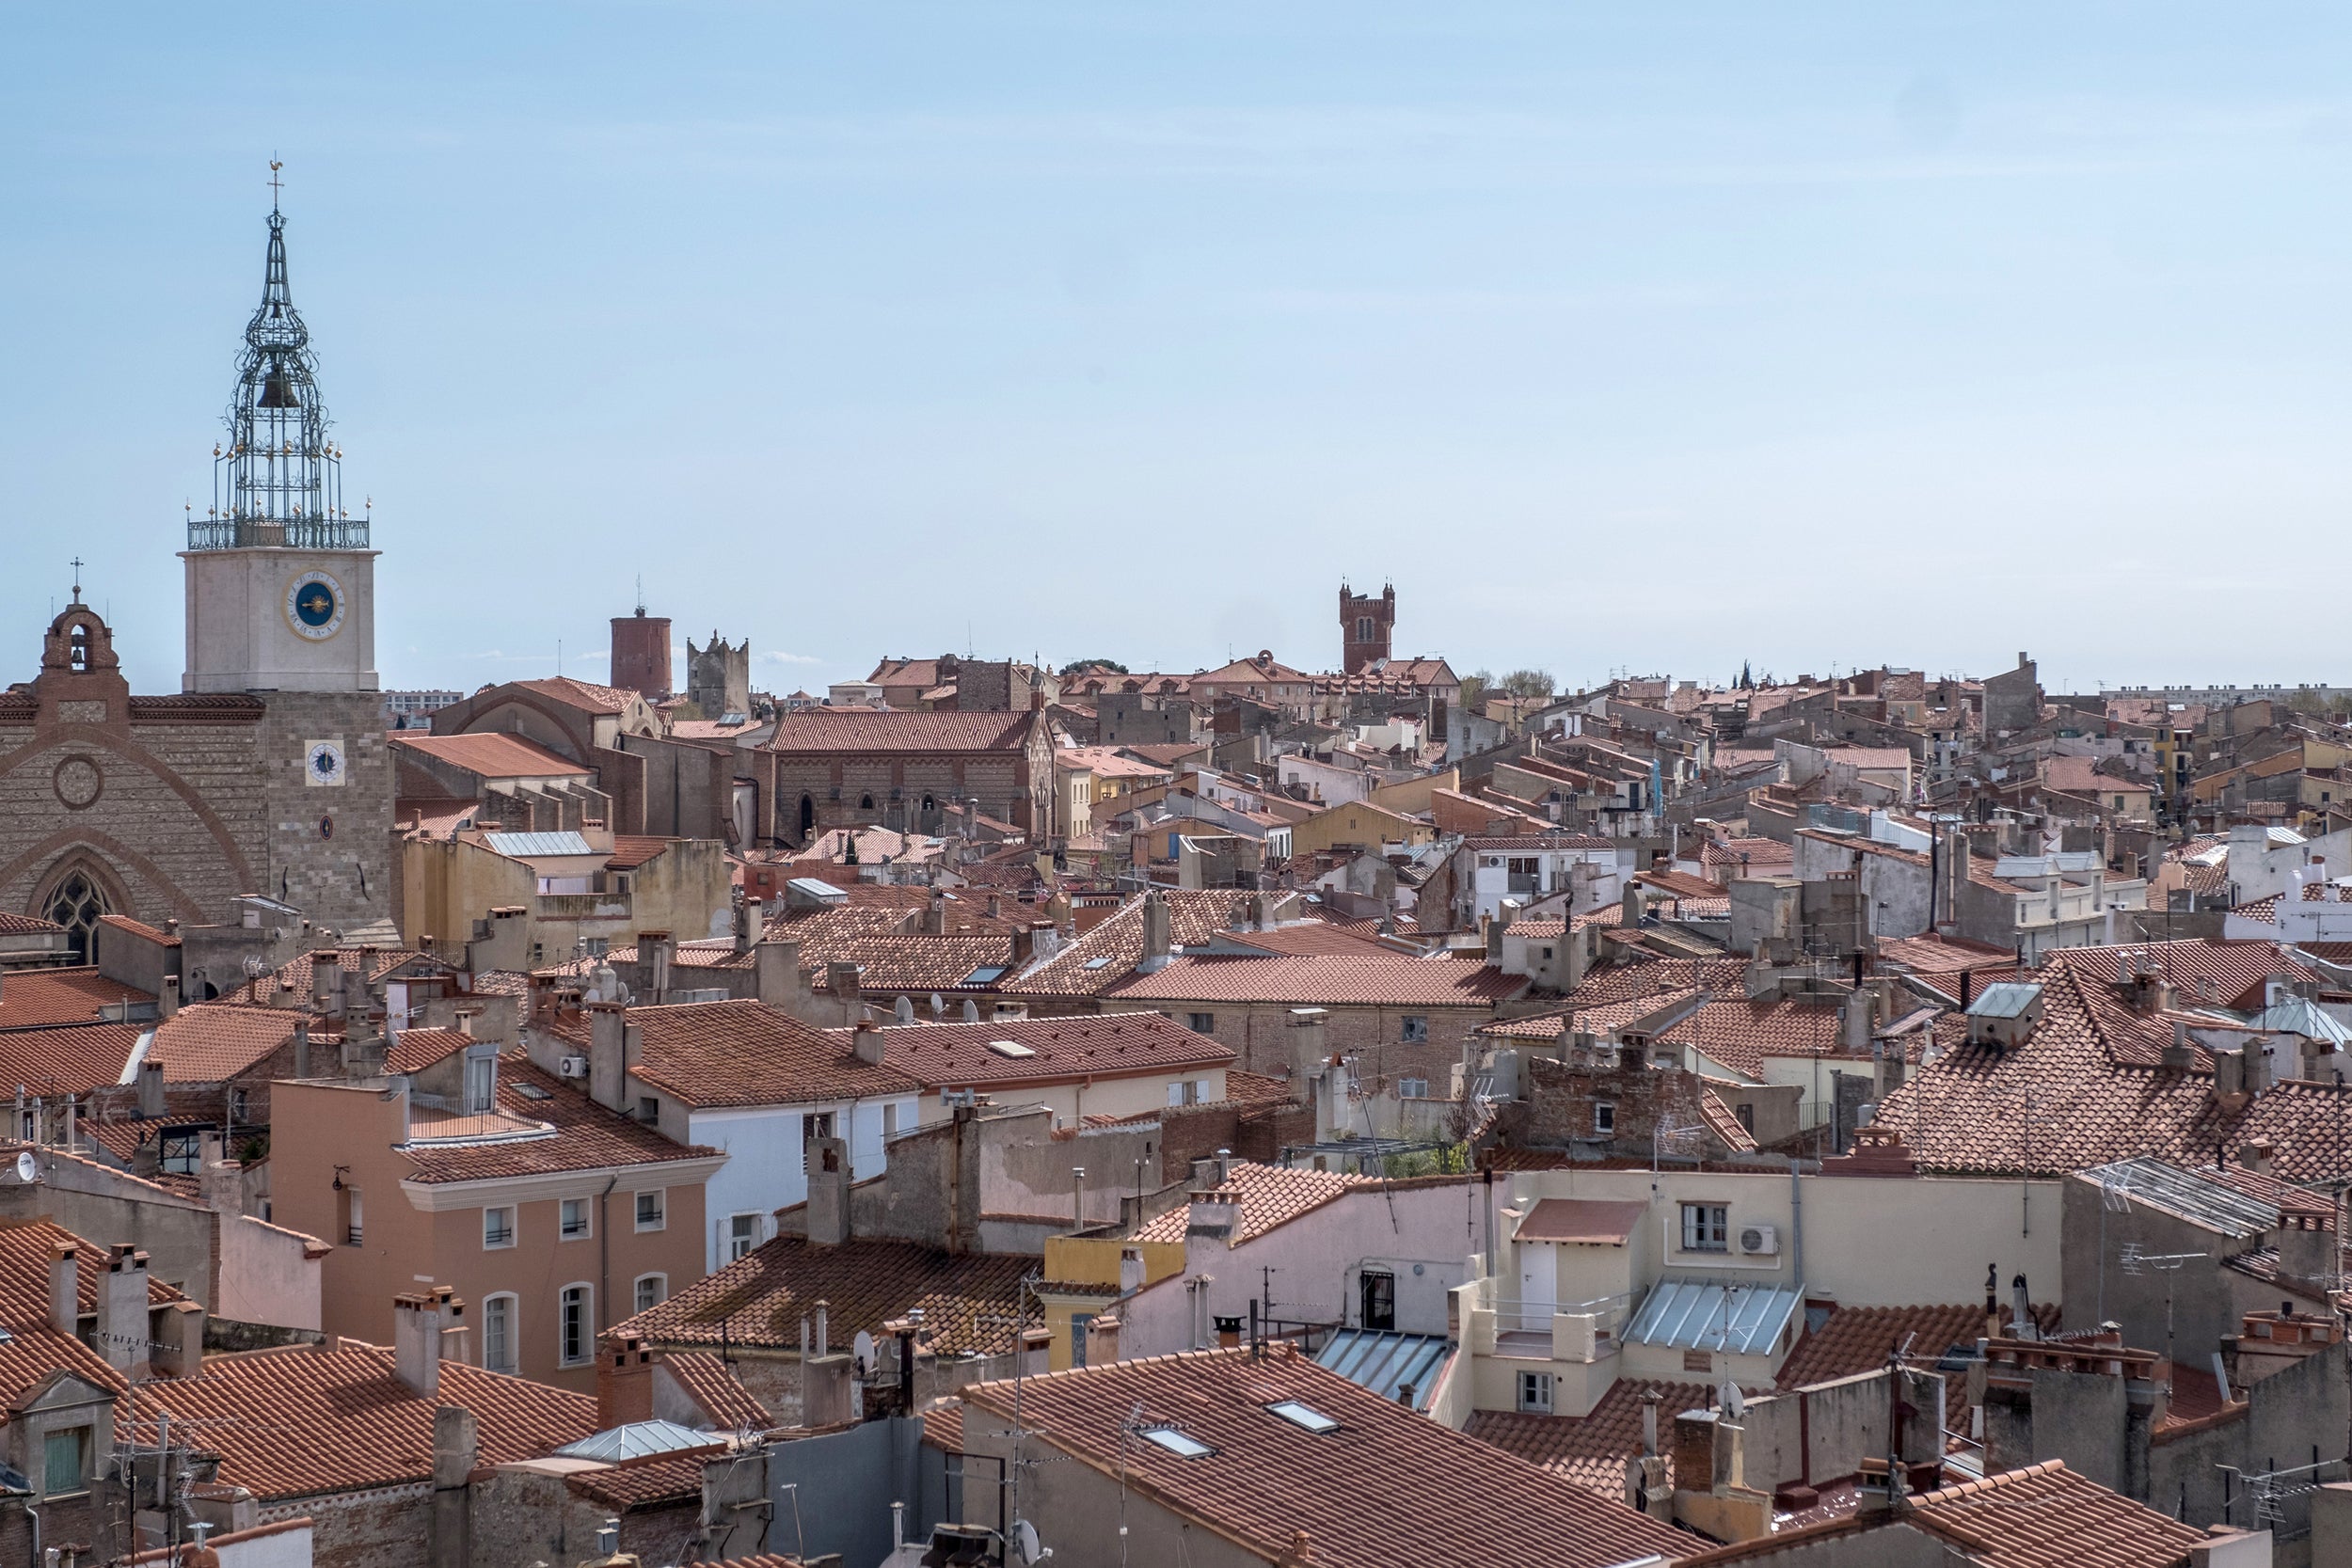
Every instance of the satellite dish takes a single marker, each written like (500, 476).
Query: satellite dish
(26, 1168)
(1734, 1404)
(863, 1348)
(1025, 1541)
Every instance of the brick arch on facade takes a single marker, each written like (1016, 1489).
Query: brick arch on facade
(92, 738)
(54, 856)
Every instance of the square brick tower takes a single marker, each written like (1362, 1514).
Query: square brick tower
(1366, 624)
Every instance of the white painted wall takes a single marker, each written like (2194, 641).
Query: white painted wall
(266, 1276)
(763, 1171)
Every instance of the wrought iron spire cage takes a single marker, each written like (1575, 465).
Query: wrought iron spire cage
(279, 480)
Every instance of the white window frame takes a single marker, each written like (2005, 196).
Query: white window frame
(513, 1304)
(661, 1220)
(1699, 1220)
(890, 1118)
(564, 1231)
(587, 1306)
(481, 1083)
(637, 1290)
(513, 1227)
(1604, 1119)
(1534, 1393)
(749, 1244)
(1200, 1023)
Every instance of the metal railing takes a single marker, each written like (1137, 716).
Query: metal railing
(303, 533)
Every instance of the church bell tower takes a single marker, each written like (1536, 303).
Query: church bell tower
(281, 580)
(282, 611)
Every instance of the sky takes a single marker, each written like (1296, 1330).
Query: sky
(1648, 339)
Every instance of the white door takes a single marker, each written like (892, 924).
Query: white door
(1539, 1285)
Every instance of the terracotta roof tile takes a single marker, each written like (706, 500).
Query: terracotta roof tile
(969, 1300)
(712, 1382)
(1590, 1450)
(72, 1060)
(651, 1480)
(1270, 1196)
(938, 1055)
(293, 1422)
(119, 921)
(29, 926)
(583, 695)
(492, 756)
(1109, 953)
(585, 1135)
(214, 1041)
(744, 1052)
(37, 998)
(1394, 980)
(1384, 1487)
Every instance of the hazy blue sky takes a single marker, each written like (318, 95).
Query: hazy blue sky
(1659, 337)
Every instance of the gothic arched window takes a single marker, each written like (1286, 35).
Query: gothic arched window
(76, 903)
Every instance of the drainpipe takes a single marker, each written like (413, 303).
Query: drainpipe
(1796, 1224)
(604, 1253)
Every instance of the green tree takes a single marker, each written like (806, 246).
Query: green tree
(1474, 687)
(1526, 684)
(1108, 666)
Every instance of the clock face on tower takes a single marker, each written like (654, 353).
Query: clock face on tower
(314, 605)
(322, 764)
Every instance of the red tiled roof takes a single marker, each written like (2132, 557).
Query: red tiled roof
(491, 754)
(1386, 1487)
(30, 925)
(1270, 1196)
(583, 695)
(381, 961)
(587, 1137)
(969, 1300)
(293, 1422)
(1390, 980)
(120, 922)
(889, 961)
(631, 851)
(1086, 1047)
(712, 1382)
(1740, 1032)
(37, 998)
(414, 1050)
(72, 1060)
(1857, 1339)
(816, 730)
(214, 1041)
(1193, 918)
(2050, 1517)
(1310, 938)
(1586, 1220)
(744, 1052)
(1590, 1450)
(649, 1481)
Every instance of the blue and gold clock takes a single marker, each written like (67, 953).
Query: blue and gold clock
(314, 605)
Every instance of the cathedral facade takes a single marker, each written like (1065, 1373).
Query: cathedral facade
(268, 772)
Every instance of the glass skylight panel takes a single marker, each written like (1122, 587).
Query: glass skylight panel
(1177, 1443)
(1303, 1415)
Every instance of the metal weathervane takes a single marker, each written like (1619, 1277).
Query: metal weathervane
(279, 480)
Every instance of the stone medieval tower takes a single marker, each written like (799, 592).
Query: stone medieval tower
(719, 677)
(1366, 624)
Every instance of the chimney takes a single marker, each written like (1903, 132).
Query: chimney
(150, 1088)
(654, 951)
(1130, 1271)
(607, 1072)
(828, 1388)
(1860, 1016)
(746, 932)
(776, 973)
(454, 1333)
(1307, 1050)
(465, 1017)
(417, 1344)
(823, 1323)
(1078, 1196)
(841, 979)
(828, 1192)
(867, 1042)
(1024, 946)
(2020, 1307)
(935, 914)
(65, 1296)
(2254, 1154)
(326, 982)
(122, 1327)
(302, 1048)
(624, 1383)
(1155, 934)
(1103, 1339)
(457, 1450)
(167, 999)
(180, 1347)
(2179, 1056)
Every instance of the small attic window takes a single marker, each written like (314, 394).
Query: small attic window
(987, 975)
(1177, 1443)
(1303, 1415)
(1010, 1048)
(1102, 962)
(533, 1091)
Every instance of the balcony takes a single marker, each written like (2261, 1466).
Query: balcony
(301, 534)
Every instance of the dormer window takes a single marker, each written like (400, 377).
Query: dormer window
(481, 1083)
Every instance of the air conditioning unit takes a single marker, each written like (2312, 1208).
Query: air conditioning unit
(1760, 1241)
(572, 1067)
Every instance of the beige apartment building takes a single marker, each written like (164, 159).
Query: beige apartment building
(550, 1216)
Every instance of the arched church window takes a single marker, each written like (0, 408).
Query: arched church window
(866, 803)
(76, 903)
(808, 815)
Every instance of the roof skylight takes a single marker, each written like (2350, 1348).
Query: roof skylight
(1102, 962)
(1011, 1048)
(1303, 1415)
(1177, 1443)
(986, 975)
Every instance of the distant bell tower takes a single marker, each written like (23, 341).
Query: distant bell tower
(1366, 626)
(641, 653)
(281, 580)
